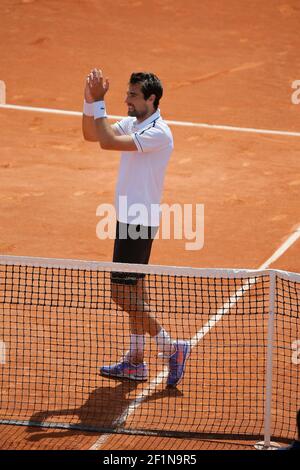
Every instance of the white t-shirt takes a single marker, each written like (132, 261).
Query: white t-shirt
(142, 172)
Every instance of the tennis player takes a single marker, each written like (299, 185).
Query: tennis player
(146, 144)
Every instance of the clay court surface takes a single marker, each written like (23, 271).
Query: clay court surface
(221, 62)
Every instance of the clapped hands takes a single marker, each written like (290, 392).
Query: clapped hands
(96, 87)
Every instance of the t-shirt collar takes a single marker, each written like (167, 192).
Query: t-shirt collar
(140, 125)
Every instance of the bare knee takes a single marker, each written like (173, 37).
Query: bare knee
(125, 297)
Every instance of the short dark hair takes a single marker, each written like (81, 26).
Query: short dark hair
(151, 85)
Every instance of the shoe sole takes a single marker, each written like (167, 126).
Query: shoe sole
(123, 377)
(184, 362)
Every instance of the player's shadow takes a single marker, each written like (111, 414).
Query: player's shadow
(105, 410)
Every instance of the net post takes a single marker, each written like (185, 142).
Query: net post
(2, 92)
(266, 444)
(2, 352)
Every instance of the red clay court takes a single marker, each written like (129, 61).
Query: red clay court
(227, 72)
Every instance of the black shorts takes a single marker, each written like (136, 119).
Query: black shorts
(133, 244)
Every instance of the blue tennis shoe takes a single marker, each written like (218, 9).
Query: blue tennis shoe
(126, 370)
(177, 362)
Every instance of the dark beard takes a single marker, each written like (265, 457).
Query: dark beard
(134, 113)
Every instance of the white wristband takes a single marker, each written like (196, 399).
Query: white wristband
(99, 110)
(88, 108)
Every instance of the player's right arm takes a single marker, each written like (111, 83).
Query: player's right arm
(88, 123)
(89, 129)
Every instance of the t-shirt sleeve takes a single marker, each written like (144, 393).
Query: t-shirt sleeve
(151, 139)
(120, 127)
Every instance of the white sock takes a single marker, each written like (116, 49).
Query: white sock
(164, 343)
(137, 345)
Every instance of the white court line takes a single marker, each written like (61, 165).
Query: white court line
(283, 248)
(172, 123)
(199, 335)
(2, 92)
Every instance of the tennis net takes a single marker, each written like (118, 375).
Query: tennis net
(59, 325)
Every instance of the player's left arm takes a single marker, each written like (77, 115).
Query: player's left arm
(107, 137)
